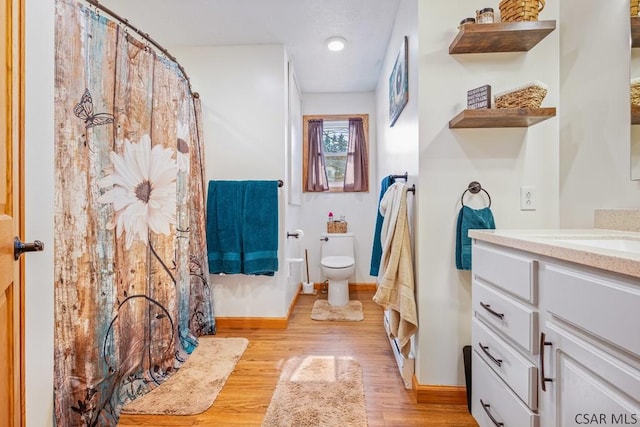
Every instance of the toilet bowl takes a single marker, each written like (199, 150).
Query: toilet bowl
(338, 265)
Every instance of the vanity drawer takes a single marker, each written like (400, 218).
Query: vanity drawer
(506, 270)
(606, 306)
(519, 373)
(491, 398)
(513, 319)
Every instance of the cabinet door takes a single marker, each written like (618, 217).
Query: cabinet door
(588, 386)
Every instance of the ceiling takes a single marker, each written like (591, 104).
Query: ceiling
(301, 25)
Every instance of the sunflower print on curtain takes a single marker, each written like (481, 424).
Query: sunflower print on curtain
(131, 283)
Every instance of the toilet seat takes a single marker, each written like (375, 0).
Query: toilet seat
(337, 262)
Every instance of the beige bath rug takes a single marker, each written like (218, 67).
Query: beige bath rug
(196, 385)
(352, 312)
(323, 391)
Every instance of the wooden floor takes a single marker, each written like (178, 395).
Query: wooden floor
(245, 397)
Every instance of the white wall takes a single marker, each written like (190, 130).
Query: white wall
(594, 120)
(398, 148)
(39, 196)
(244, 103)
(502, 160)
(359, 209)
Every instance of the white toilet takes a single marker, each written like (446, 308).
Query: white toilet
(337, 259)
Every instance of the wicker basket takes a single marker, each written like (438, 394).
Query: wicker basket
(527, 96)
(336, 227)
(635, 92)
(635, 7)
(520, 10)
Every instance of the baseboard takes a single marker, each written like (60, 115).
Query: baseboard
(258, 322)
(352, 286)
(439, 394)
(251, 323)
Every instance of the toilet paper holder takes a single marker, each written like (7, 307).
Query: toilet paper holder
(297, 234)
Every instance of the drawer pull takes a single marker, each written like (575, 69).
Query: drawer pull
(486, 407)
(485, 350)
(543, 379)
(492, 311)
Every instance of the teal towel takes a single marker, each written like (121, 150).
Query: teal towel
(224, 228)
(376, 250)
(469, 219)
(260, 228)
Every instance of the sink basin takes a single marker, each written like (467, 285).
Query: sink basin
(615, 244)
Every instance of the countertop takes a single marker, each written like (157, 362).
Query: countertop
(553, 243)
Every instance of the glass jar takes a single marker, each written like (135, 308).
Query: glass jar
(466, 21)
(484, 16)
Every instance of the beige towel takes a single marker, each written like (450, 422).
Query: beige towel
(389, 208)
(396, 285)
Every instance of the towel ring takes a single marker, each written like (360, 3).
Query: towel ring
(474, 188)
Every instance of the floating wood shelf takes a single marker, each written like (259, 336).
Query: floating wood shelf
(635, 31)
(635, 115)
(500, 37)
(501, 118)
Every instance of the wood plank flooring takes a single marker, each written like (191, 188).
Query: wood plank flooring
(245, 397)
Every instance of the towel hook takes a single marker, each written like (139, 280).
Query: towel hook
(474, 188)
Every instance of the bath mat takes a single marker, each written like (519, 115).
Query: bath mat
(196, 385)
(352, 312)
(323, 391)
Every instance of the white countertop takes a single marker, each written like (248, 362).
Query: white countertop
(553, 243)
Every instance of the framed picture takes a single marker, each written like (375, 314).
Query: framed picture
(399, 83)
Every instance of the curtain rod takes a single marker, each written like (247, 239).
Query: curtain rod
(146, 37)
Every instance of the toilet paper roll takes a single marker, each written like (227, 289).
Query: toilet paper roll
(300, 233)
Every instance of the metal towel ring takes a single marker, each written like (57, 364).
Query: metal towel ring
(474, 188)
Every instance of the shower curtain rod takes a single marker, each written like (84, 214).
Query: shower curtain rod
(146, 37)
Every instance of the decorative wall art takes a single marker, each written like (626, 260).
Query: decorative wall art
(399, 83)
(131, 274)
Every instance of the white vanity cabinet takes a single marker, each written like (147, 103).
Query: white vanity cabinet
(559, 344)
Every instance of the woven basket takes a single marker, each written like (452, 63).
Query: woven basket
(336, 227)
(635, 8)
(635, 92)
(520, 10)
(527, 96)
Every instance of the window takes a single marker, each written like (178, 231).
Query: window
(326, 163)
(335, 139)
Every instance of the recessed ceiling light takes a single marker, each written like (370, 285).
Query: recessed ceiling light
(336, 44)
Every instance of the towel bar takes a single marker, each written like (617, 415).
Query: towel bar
(474, 188)
(405, 176)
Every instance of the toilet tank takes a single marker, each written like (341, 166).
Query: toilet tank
(338, 244)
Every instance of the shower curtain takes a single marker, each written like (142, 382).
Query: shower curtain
(131, 274)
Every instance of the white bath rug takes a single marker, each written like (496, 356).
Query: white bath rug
(352, 312)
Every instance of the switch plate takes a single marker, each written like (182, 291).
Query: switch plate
(528, 198)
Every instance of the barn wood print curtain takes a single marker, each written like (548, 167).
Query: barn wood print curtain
(131, 283)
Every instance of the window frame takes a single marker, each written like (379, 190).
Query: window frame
(305, 142)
